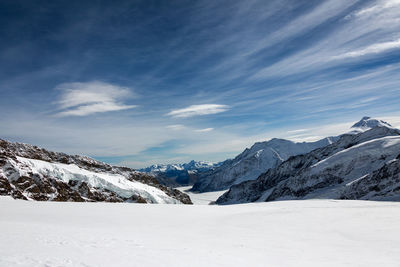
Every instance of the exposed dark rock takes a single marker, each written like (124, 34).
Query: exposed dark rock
(382, 184)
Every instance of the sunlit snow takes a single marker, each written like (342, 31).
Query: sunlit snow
(285, 233)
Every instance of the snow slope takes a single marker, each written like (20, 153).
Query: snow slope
(104, 181)
(30, 172)
(285, 233)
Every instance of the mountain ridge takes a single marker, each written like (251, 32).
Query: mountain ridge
(253, 161)
(262, 156)
(179, 174)
(323, 172)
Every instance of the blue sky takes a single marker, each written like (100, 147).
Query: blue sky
(143, 82)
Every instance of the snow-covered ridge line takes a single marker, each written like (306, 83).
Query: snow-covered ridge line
(190, 166)
(367, 123)
(254, 161)
(177, 175)
(29, 172)
(101, 181)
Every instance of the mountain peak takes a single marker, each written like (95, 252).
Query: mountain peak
(368, 123)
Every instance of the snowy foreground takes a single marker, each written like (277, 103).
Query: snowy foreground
(287, 233)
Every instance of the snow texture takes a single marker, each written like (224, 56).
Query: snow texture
(205, 198)
(285, 233)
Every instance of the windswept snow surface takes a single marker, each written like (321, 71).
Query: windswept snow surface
(201, 198)
(285, 233)
(112, 182)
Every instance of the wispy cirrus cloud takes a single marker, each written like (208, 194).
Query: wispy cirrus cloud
(86, 98)
(297, 131)
(352, 37)
(372, 49)
(198, 110)
(176, 127)
(378, 7)
(204, 130)
(181, 127)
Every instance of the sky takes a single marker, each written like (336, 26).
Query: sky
(136, 83)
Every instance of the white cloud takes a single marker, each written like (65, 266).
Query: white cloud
(353, 37)
(297, 131)
(176, 127)
(81, 99)
(197, 110)
(372, 49)
(378, 7)
(204, 130)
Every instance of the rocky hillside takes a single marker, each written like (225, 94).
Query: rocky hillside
(382, 184)
(175, 175)
(30, 172)
(357, 166)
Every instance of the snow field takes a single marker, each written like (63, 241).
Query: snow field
(286, 233)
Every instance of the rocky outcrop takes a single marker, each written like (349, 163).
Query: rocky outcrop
(382, 184)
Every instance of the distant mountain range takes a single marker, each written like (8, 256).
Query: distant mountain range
(179, 174)
(33, 173)
(254, 161)
(362, 164)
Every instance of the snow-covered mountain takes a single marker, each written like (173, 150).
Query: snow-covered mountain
(179, 174)
(190, 166)
(357, 166)
(253, 161)
(367, 123)
(265, 155)
(29, 172)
